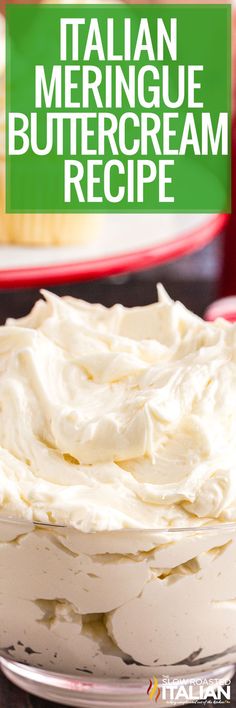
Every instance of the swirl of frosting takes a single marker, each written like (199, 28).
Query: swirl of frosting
(117, 418)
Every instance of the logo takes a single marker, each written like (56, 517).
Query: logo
(192, 690)
(153, 689)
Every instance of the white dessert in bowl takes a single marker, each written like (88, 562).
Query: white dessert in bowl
(117, 498)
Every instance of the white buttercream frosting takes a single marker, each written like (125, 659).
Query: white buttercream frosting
(117, 418)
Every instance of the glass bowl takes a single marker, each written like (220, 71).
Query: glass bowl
(118, 617)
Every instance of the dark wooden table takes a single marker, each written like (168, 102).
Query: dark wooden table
(194, 280)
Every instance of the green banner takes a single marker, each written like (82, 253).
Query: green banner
(118, 108)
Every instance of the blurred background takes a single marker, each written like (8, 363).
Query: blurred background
(197, 278)
(194, 279)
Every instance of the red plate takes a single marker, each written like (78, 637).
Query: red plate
(125, 243)
(226, 308)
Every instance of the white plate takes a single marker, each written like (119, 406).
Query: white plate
(124, 242)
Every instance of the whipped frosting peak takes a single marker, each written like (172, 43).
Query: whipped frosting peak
(117, 418)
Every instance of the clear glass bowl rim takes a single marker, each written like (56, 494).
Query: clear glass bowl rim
(223, 526)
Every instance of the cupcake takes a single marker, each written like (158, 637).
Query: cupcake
(35, 229)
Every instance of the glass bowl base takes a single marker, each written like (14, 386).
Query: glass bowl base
(87, 692)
